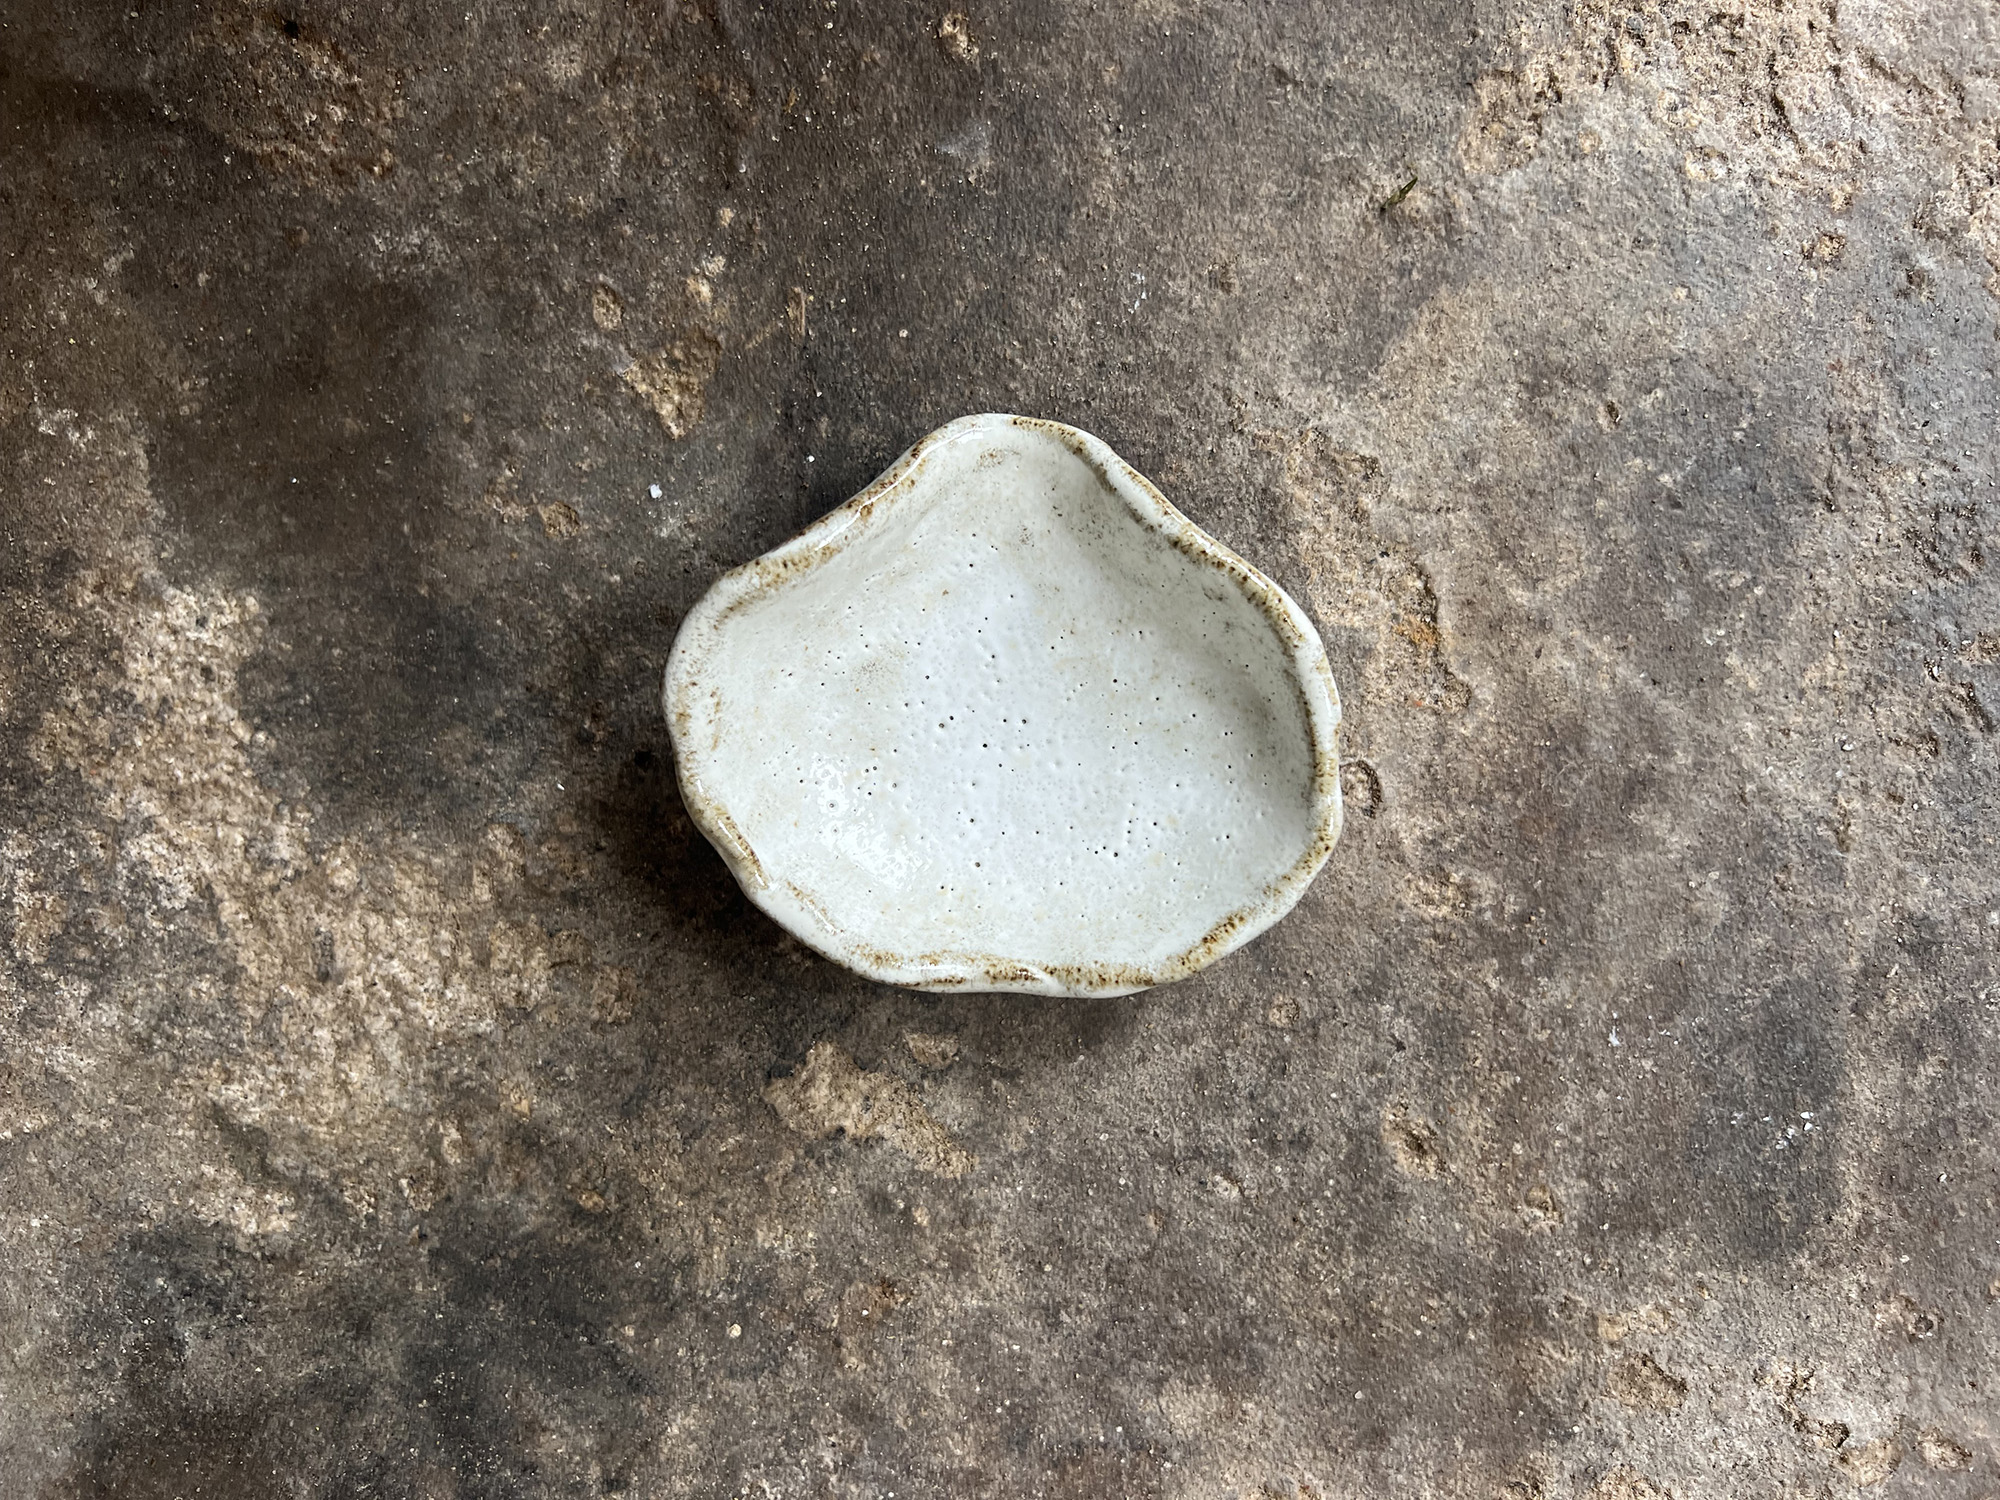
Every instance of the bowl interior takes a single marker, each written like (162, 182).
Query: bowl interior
(1010, 718)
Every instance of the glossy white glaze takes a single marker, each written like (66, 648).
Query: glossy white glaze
(1007, 720)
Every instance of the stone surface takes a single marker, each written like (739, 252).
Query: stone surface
(397, 1097)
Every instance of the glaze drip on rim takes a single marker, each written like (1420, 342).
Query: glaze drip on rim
(1007, 720)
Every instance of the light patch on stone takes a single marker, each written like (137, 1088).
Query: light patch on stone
(560, 520)
(1614, 1328)
(300, 100)
(358, 958)
(351, 967)
(1358, 579)
(1871, 1463)
(674, 381)
(1802, 95)
(1413, 1143)
(1541, 1208)
(38, 914)
(1638, 1381)
(565, 63)
(1940, 1452)
(954, 34)
(829, 1095)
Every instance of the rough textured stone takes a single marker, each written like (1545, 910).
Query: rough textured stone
(396, 1097)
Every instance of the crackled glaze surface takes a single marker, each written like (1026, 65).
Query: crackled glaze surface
(1007, 720)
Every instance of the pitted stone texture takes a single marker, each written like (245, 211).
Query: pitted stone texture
(396, 1095)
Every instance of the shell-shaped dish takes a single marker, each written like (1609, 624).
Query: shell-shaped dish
(1007, 720)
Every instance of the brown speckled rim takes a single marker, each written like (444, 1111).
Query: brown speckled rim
(694, 708)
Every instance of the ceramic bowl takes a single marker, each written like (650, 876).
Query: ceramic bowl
(1007, 720)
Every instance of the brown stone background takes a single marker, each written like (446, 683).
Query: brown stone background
(397, 1099)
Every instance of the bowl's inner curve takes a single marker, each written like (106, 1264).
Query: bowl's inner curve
(1012, 720)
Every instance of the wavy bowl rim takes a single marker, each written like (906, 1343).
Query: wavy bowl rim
(692, 708)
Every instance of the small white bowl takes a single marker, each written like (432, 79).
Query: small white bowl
(1007, 720)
